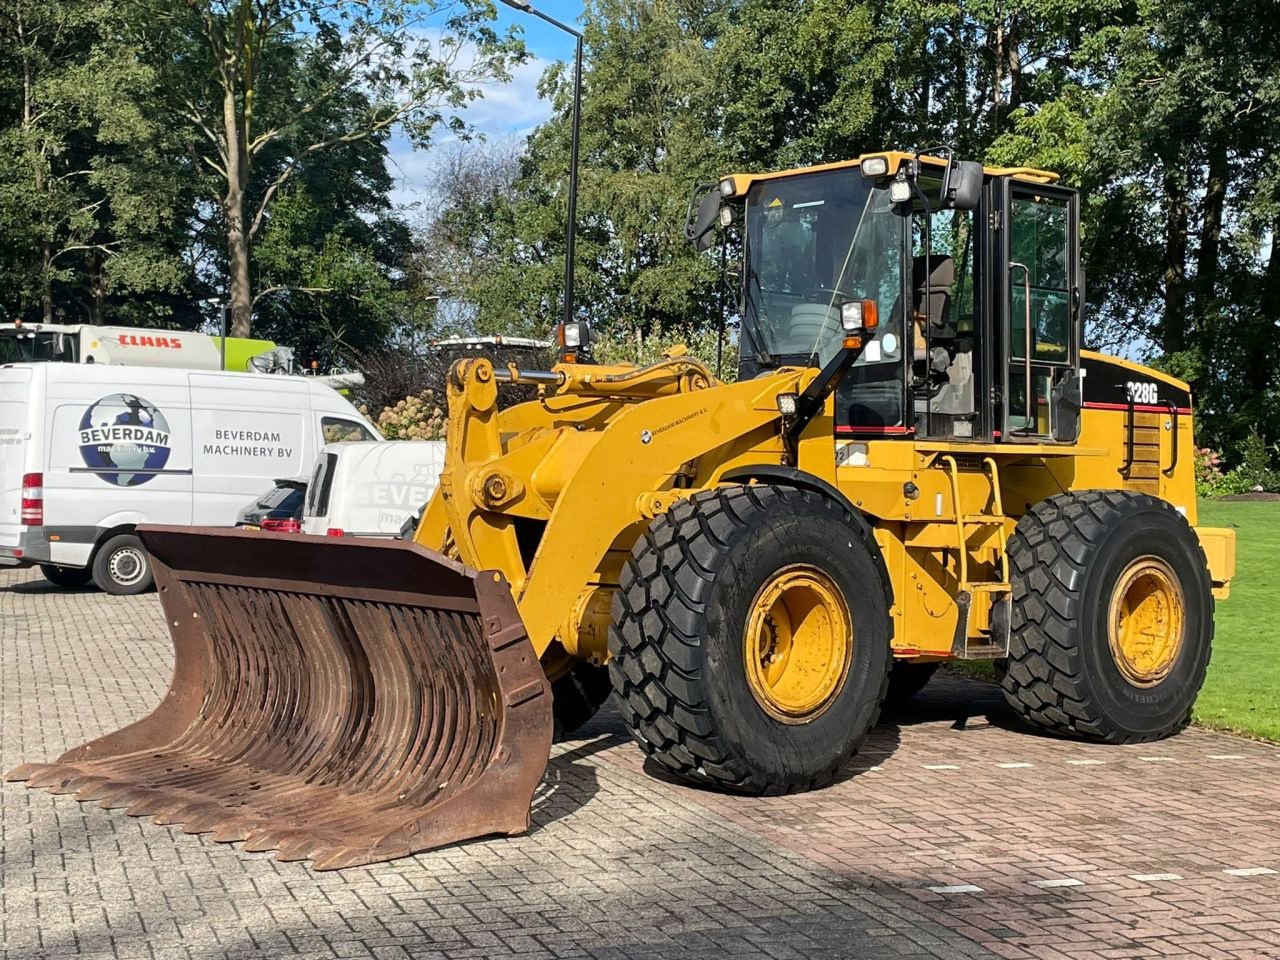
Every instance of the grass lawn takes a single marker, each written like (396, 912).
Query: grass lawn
(1243, 689)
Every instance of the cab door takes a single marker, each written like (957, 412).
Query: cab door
(1041, 304)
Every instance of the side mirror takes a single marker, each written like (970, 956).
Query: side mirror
(702, 217)
(964, 185)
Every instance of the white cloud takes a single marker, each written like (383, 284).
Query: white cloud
(505, 109)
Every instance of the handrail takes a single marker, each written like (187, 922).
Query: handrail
(1127, 466)
(1026, 286)
(1173, 461)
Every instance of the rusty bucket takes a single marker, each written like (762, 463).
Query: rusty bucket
(348, 701)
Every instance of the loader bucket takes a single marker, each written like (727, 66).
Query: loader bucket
(348, 701)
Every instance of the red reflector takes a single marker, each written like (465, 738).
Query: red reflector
(276, 525)
(32, 499)
(18, 552)
(335, 532)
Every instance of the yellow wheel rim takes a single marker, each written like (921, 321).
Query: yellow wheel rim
(1147, 621)
(799, 642)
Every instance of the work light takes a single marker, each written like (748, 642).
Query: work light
(875, 167)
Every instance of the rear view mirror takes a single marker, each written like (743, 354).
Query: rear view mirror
(702, 217)
(964, 185)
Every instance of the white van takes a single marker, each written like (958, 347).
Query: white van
(89, 451)
(371, 489)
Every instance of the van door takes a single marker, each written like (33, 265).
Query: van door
(15, 407)
(249, 430)
(119, 454)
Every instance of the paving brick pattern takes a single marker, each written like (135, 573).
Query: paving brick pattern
(955, 835)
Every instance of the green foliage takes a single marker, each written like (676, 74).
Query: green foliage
(1165, 115)
(91, 180)
(631, 344)
(1254, 470)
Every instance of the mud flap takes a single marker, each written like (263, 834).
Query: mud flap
(347, 701)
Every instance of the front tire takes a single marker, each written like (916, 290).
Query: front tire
(1112, 617)
(750, 640)
(69, 578)
(122, 566)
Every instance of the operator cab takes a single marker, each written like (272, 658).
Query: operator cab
(975, 275)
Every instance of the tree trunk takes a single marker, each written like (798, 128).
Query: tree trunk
(1211, 230)
(1260, 369)
(241, 305)
(97, 286)
(1173, 327)
(46, 280)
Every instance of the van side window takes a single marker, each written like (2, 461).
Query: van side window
(338, 430)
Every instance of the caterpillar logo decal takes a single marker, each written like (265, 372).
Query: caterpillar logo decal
(124, 439)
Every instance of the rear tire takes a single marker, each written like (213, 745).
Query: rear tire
(906, 679)
(69, 578)
(122, 566)
(1112, 617)
(706, 682)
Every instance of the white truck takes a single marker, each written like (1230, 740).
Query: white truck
(87, 343)
(89, 451)
(371, 489)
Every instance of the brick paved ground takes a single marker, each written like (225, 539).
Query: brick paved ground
(956, 835)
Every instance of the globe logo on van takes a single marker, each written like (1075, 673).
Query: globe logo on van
(123, 439)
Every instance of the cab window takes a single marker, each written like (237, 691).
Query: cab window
(341, 430)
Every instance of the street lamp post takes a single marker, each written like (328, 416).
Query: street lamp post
(571, 221)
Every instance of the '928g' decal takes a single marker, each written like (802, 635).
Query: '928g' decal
(1140, 392)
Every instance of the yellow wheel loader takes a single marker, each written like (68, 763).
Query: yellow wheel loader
(918, 462)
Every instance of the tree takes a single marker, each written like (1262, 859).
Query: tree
(298, 79)
(89, 185)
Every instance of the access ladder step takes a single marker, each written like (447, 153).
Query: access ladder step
(983, 651)
(984, 518)
(989, 586)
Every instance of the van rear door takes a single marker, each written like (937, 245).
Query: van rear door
(15, 438)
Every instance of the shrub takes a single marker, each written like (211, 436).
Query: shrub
(1253, 471)
(1255, 468)
(626, 343)
(417, 417)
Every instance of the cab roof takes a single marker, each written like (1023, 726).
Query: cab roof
(742, 181)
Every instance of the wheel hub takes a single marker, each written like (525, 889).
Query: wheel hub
(126, 566)
(1146, 625)
(799, 643)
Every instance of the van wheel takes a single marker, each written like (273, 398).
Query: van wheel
(122, 566)
(68, 578)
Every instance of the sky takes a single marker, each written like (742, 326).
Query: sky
(505, 110)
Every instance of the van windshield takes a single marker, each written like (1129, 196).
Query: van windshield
(18, 345)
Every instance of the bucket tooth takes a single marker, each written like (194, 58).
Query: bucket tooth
(22, 772)
(94, 788)
(49, 775)
(348, 701)
(230, 831)
(295, 848)
(206, 819)
(260, 841)
(115, 796)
